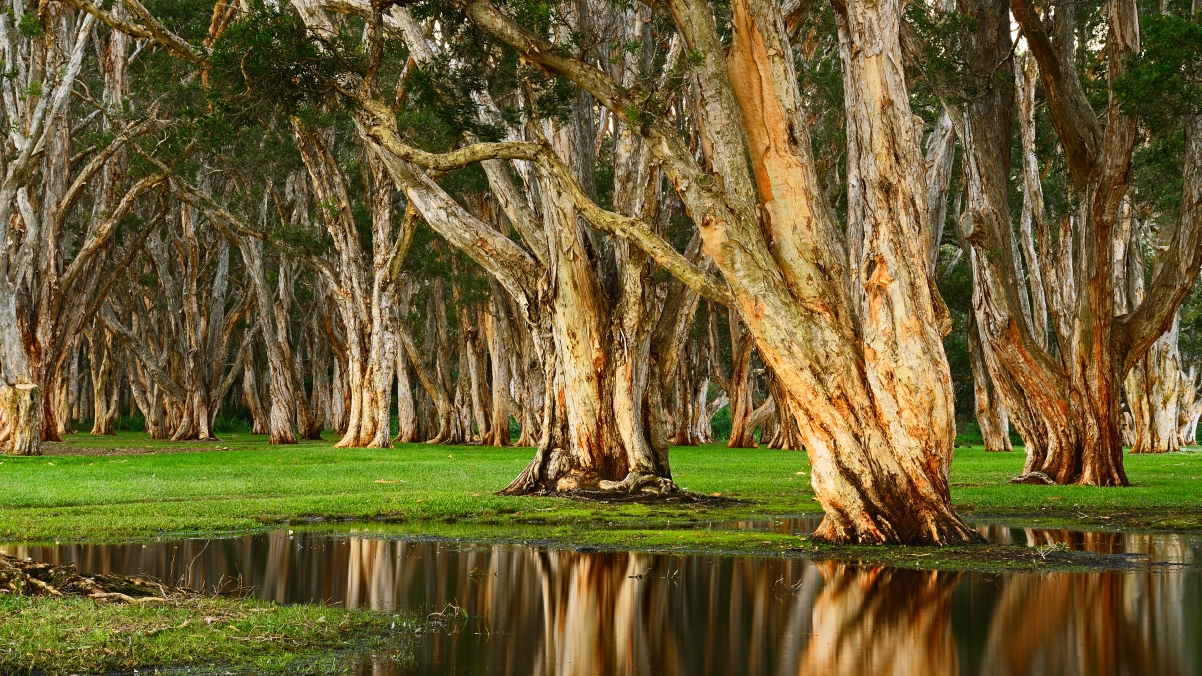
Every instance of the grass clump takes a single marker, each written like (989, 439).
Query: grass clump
(79, 635)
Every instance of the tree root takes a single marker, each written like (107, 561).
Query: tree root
(643, 482)
(619, 497)
(1034, 478)
(31, 578)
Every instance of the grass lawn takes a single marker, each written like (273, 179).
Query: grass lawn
(76, 635)
(129, 487)
(117, 488)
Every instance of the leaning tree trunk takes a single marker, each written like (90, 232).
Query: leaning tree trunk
(881, 407)
(103, 388)
(407, 421)
(250, 395)
(1190, 409)
(739, 387)
(991, 414)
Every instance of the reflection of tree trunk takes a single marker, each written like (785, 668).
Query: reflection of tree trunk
(882, 621)
(1097, 623)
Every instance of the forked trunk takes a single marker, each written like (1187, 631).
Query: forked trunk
(596, 435)
(104, 394)
(878, 407)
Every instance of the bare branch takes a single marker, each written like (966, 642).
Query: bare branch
(149, 29)
(1075, 121)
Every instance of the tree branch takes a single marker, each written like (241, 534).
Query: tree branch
(1074, 119)
(1177, 273)
(149, 29)
(147, 358)
(99, 234)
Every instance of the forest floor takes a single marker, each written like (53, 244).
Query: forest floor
(129, 487)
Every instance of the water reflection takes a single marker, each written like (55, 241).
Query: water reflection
(567, 613)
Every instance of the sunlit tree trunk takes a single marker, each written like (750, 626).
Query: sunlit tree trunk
(283, 400)
(873, 399)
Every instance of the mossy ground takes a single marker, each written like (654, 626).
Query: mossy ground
(129, 487)
(77, 635)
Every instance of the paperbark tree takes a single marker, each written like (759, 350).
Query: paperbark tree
(34, 102)
(873, 399)
(853, 333)
(594, 434)
(1064, 401)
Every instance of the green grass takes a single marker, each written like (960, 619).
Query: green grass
(72, 635)
(162, 490)
(129, 487)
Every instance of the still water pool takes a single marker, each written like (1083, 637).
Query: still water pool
(561, 612)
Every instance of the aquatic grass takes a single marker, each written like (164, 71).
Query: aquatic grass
(75, 635)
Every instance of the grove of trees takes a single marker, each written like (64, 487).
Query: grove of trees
(592, 226)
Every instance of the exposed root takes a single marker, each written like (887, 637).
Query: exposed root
(617, 497)
(1034, 478)
(31, 578)
(642, 482)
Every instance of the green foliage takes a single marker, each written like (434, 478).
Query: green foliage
(1164, 81)
(316, 241)
(29, 25)
(189, 19)
(445, 87)
(474, 61)
(942, 67)
(720, 424)
(1156, 172)
(269, 64)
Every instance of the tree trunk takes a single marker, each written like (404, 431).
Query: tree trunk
(104, 393)
(22, 410)
(407, 420)
(283, 400)
(990, 411)
(858, 351)
(739, 387)
(250, 396)
(1153, 394)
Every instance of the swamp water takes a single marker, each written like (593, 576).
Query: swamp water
(559, 612)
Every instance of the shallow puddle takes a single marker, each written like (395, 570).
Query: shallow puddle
(552, 612)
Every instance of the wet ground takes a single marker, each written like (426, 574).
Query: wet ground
(559, 612)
